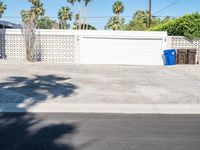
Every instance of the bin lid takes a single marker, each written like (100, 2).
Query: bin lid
(192, 50)
(182, 50)
(170, 51)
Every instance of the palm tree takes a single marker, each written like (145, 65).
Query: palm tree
(34, 2)
(77, 17)
(118, 8)
(114, 23)
(30, 17)
(2, 8)
(79, 10)
(89, 12)
(38, 9)
(71, 2)
(86, 4)
(64, 14)
(26, 16)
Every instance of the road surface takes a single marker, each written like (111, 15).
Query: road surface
(53, 131)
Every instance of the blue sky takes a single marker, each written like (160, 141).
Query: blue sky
(104, 8)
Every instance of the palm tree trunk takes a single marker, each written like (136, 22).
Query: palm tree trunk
(79, 12)
(74, 15)
(118, 16)
(90, 12)
(84, 22)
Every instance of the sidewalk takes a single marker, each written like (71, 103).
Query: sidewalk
(103, 108)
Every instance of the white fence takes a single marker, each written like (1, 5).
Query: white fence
(87, 47)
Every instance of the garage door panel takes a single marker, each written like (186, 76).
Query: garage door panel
(122, 51)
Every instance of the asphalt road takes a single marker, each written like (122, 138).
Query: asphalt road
(99, 132)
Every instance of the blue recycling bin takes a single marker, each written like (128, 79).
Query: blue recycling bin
(170, 57)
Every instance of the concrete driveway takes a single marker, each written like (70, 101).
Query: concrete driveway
(65, 83)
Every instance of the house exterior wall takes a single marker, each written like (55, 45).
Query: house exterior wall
(70, 46)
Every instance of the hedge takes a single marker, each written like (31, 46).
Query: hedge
(187, 26)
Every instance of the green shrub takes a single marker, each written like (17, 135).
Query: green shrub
(188, 26)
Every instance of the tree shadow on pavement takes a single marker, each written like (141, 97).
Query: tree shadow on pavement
(20, 131)
(25, 131)
(35, 89)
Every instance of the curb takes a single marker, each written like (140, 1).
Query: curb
(103, 108)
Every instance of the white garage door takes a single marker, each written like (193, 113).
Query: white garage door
(122, 51)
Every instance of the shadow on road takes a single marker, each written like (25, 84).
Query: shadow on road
(22, 131)
(27, 132)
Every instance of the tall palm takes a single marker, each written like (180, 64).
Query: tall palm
(79, 9)
(77, 18)
(118, 8)
(2, 8)
(38, 9)
(31, 16)
(86, 4)
(90, 9)
(34, 2)
(64, 14)
(71, 2)
(79, 12)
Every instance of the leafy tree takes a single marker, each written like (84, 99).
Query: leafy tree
(2, 8)
(114, 23)
(64, 14)
(167, 19)
(140, 21)
(45, 22)
(188, 26)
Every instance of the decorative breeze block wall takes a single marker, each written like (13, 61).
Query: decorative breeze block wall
(55, 47)
(12, 47)
(2, 46)
(178, 42)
